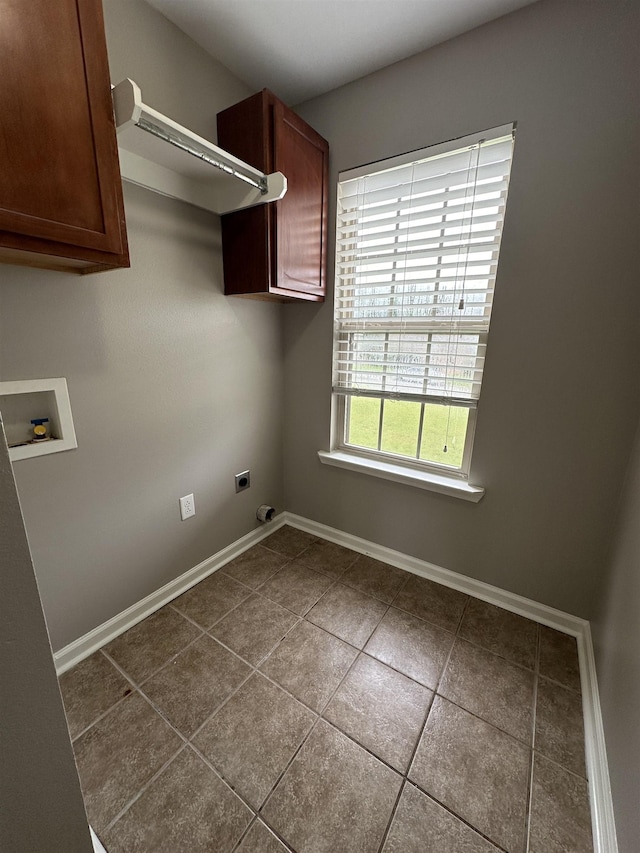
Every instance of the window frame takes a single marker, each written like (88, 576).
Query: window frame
(341, 401)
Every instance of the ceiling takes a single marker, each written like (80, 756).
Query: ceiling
(303, 48)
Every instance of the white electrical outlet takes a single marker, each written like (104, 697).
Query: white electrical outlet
(187, 507)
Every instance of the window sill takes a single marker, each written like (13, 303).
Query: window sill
(399, 474)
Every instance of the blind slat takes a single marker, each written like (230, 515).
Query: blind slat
(436, 399)
(445, 229)
(455, 199)
(362, 199)
(442, 283)
(472, 247)
(474, 267)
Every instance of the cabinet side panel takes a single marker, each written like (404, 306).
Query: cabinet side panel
(246, 250)
(244, 130)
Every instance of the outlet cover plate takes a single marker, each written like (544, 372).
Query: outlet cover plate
(187, 507)
(243, 481)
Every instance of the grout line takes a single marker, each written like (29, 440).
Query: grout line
(172, 656)
(282, 774)
(246, 832)
(462, 615)
(144, 788)
(405, 775)
(563, 767)
(288, 847)
(475, 645)
(221, 705)
(529, 806)
(407, 780)
(166, 664)
(254, 671)
(258, 819)
(577, 693)
(518, 740)
(456, 633)
(290, 695)
(224, 780)
(119, 701)
(267, 654)
(494, 844)
(319, 717)
(149, 701)
(387, 828)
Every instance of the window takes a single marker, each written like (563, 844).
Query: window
(417, 248)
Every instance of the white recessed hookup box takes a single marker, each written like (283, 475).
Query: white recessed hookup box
(22, 401)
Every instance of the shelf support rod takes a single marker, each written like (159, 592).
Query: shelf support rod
(172, 139)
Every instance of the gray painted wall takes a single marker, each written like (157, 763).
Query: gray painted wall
(173, 387)
(616, 632)
(560, 398)
(41, 806)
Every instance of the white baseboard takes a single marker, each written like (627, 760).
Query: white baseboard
(597, 767)
(97, 845)
(602, 815)
(478, 589)
(86, 645)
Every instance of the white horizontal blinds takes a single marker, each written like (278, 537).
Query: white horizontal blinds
(416, 257)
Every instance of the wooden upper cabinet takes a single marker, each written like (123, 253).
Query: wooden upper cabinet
(278, 250)
(60, 189)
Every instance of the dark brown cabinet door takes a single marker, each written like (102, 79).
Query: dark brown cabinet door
(60, 189)
(278, 250)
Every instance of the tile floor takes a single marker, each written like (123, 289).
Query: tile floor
(307, 698)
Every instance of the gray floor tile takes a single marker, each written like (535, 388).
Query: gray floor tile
(90, 689)
(310, 664)
(211, 599)
(296, 587)
(260, 839)
(195, 683)
(255, 566)
(120, 754)
(381, 709)
(328, 558)
(347, 613)
(411, 645)
(559, 657)
(254, 628)
(143, 649)
(560, 817)
(431, 601)
(491, 687)
(187, 808)
(478, 772)
(334, 797)
(560, 726)
(289, 541)
(420, 825)
(375, 578)
(500, 631)
(253, 737)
